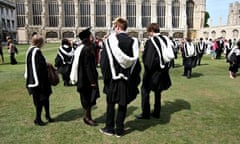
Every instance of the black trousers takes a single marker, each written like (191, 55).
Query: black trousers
(199, 58)
(146, 103)
(39, 104)
(13, 59)
(187, 71)
(110, 118)
(233, 67)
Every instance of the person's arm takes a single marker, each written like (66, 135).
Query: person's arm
(149, 56)
(90, 68)
(105, 67)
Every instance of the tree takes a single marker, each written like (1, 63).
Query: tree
(206, 17)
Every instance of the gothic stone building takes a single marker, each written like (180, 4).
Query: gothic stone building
(234, 14)
(229, 31)
(58, 19)
(7, 19)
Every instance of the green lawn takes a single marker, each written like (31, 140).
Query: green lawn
(203, 109)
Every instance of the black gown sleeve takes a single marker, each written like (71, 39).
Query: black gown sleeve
(150, 60)
(90, 67)
(105, 68)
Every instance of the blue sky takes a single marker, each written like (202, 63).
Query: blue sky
(217, 9)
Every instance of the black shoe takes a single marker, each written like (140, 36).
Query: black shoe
(189, 76)
(141, 116)
(39, 123)
(155, 115)
(50, 120)
(119, 133)
(107, 131)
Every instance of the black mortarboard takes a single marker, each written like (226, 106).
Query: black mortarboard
(85, 34)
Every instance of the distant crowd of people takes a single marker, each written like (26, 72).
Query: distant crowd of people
(12, 50)
(117, 54)
(217, 48)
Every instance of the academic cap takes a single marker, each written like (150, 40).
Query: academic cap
(85, 34)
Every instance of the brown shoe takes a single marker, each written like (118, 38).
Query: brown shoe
(89, 122)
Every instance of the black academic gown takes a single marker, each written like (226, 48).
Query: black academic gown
(37, 84)
(120, 91)
(188, 61)
(234, 60)
(87, 75)
(63, 62)
(200, 47)
(154, 78)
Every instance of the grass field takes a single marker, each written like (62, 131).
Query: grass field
(202, 110)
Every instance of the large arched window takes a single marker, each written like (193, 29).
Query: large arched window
(175, 13)
(37, 12)
(131, 13)
(115, 9)
(20, 10)
(100, 8)
(51, 34)
(68, 34)
(190, 12)
(206, 34)
(213, 33)
(146, 13)
(161, 13)
(69, 13)
(223, 33)
(84, 10)
(235, 33)
(53, 12)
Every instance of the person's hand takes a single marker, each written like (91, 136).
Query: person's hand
(93, 85)
(49, 64)
(106, 36)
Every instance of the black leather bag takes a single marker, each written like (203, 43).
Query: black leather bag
(53, 75)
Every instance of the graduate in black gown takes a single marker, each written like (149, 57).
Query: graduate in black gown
(175, 50)
(156, 76)
(37, 82)
(84, 74)
(200, 47)
(64, 59)
(234, 60)
(120, 68)
(189, 55)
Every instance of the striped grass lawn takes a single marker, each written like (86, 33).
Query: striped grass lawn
(201, 110)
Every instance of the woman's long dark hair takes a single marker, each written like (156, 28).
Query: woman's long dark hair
(89, 45)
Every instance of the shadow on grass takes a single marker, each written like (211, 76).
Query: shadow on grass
(8, 63)
(195, 75)
(69, 115)
(177, 65)
(102, 118)
(203, 64)
(168, 109)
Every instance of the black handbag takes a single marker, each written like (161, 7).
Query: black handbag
(53, 75)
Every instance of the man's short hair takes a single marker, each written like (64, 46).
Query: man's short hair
(121, 22)
(37, 40)
(153, 27)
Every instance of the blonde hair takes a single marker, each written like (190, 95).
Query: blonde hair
(121, 22)
(37, 40)
(10, 41)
